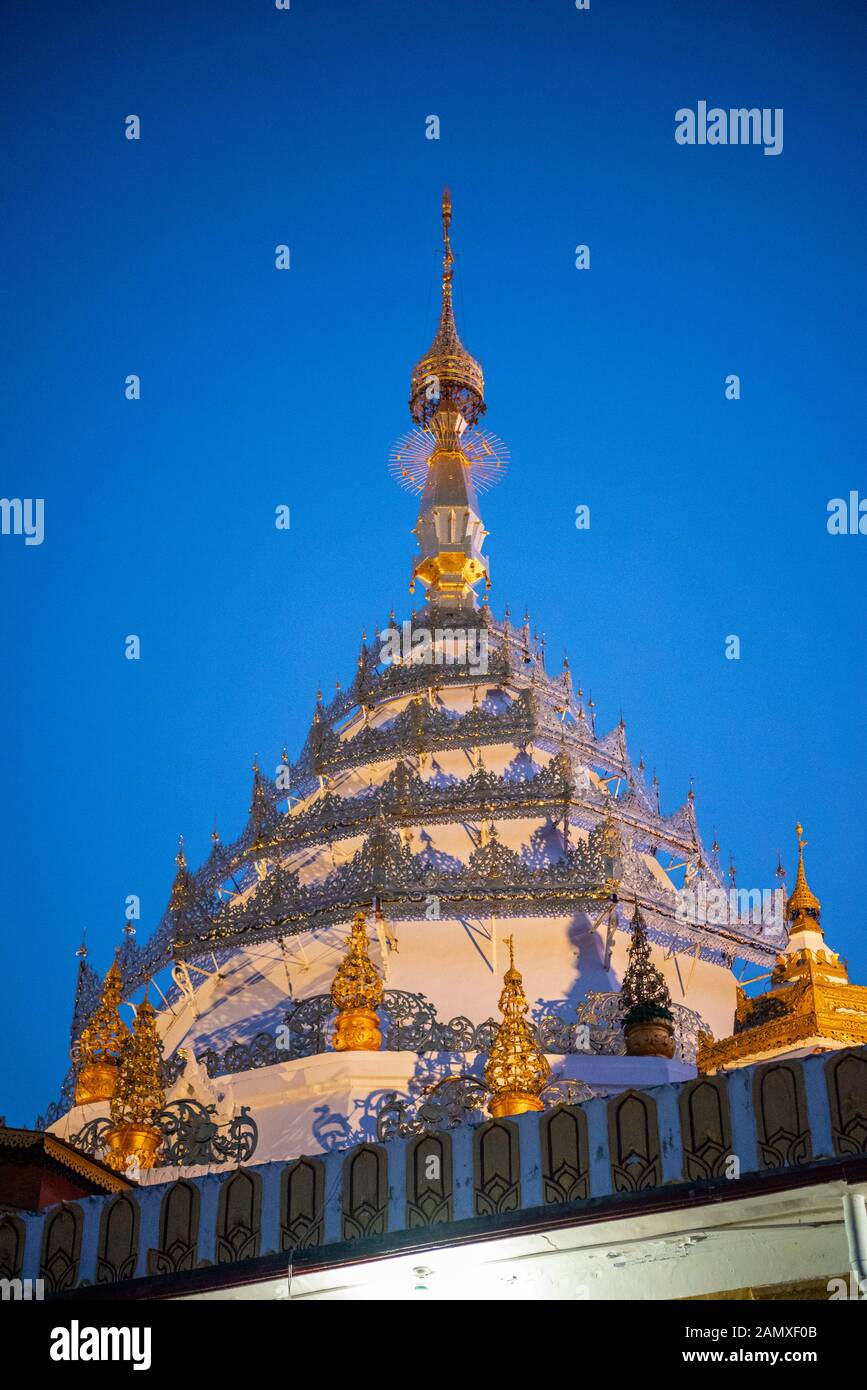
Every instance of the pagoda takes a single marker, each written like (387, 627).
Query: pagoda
(333, 1049)
(453, 787)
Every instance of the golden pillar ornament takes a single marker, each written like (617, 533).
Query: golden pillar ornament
(101, 1044)
(134, 1138)
(356, 993)
(516, 1070)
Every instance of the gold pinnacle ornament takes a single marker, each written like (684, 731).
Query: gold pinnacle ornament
(516, 1070)
(448, 379)
(101, 1044)
(356, 993)
(803, 908)
(134, 1139)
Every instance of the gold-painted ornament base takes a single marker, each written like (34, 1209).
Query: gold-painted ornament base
(96, 1081)
(517, 1104)
(357, 1030)
(653, 1038)
(128, 1143)
(450, 570)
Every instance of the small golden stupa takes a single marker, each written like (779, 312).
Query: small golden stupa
(139, 1096)
(810, 1006)
(356, 993)
(517, 1070)
(101, 1044)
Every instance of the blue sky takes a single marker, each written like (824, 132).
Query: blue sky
(259, 387)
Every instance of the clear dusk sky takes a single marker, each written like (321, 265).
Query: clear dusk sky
(306, 127)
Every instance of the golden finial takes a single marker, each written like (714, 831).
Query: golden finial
(356, 993)
(448, 258)
(447, 377)
(803, 901)
(101, 1043)
(516, 1071)
(139, 1096)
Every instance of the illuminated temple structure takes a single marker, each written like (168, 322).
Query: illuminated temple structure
(437, 1023)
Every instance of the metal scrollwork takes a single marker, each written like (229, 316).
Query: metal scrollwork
(410, 1021)
(92, 1138)
(451, 1102)
(457, 1100)
(173, 1068)
(564, 1091)
(191, 1136)
(410, 1024)
(603, 1013)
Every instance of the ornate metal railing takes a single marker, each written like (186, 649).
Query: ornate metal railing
(190, 1136)
(455, 1100)
(410, 1024)
(603, 1012)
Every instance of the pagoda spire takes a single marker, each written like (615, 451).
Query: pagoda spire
(803, 909)
(447, 375)
(356, 993)
(447, 397)
(517, 1069)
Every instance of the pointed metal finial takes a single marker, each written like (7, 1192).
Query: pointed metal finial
(803, 899)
